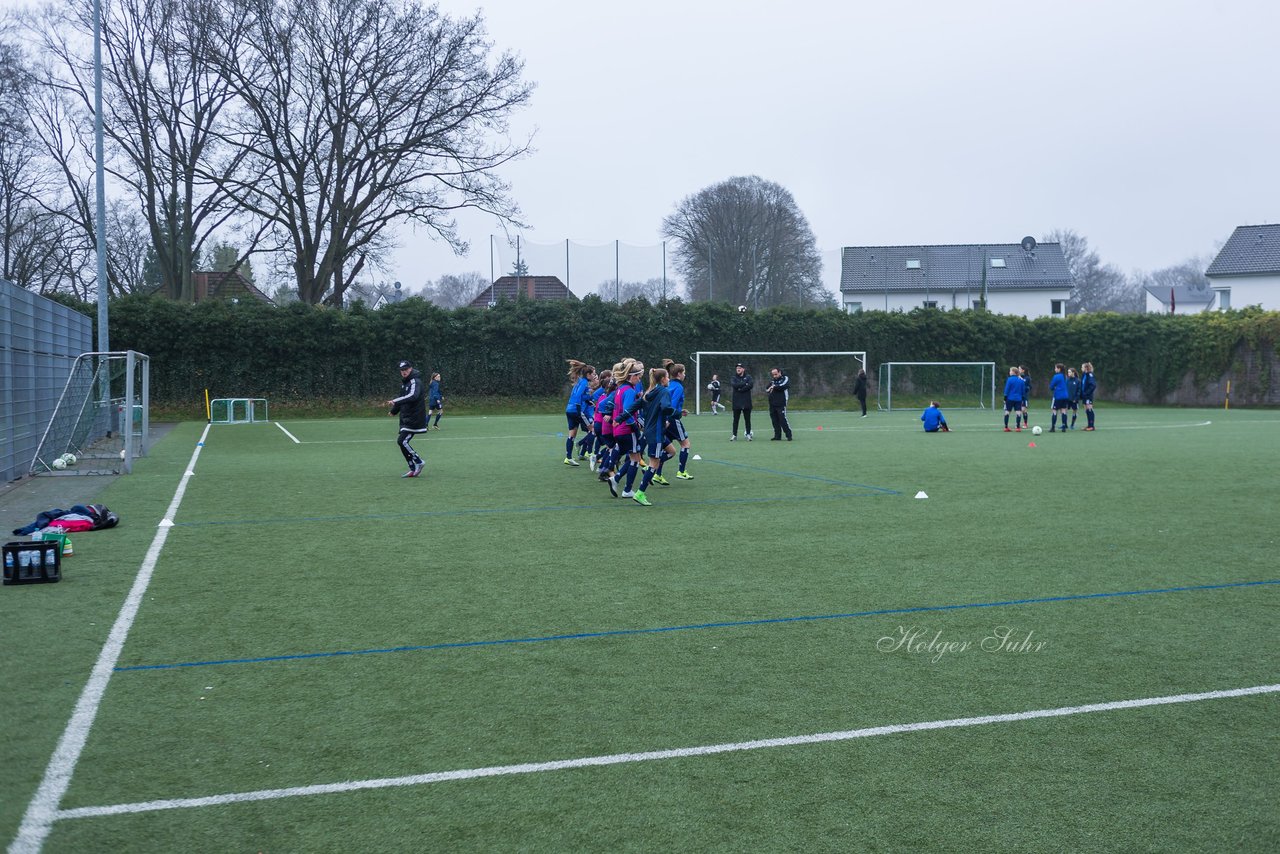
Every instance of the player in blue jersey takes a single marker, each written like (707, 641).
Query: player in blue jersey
(656, 404)
(1073, 394)
(677, 436)
(581, 374)
(1061, 394)
(1014, 393)
(1088, 388)
(435, 401)
(933, 420)
(627, 426)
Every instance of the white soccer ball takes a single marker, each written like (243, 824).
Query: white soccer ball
(742, 309)
(59, 464)
(122, 453)
(1036, 430)
(69, 459)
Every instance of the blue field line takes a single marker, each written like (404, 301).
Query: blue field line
(721, 625)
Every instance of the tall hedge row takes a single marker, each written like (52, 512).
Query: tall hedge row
(518, 348)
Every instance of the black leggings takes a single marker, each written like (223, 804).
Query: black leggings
(746, 413)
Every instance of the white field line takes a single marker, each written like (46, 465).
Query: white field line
(43, 809)
(287, 433)
(649, 756)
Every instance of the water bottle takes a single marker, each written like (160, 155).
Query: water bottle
(8, 564)
(51, 559)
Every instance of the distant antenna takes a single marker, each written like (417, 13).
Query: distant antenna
(1028, 243)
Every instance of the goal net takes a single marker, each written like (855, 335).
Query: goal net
(954, 385)
(101, 421)
(817, 376)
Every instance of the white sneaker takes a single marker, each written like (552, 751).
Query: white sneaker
(628, 493)
(733, 438)
(592, 462)
(749, 437)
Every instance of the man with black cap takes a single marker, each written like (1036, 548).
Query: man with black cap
(411, 408)
(742, 384)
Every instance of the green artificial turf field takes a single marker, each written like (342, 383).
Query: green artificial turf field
(314, 620)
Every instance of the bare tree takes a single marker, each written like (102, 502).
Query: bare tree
(745, 240)
(162, 111)
(359, 115)
(1098, 286)
(654, 290)
(454, 290)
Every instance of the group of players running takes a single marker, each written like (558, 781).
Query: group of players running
(1069, 392)
(629, 431)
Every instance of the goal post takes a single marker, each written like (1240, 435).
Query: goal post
(102, 418)
(722, 362)
(954, 385)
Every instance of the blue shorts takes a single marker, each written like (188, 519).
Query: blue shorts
(574, 419)
(1087, 401)
(435, 403)
(651, 446)
(1072, 405)
(628, 443)
(675, 431)
(1012, 405)
(1061, 405)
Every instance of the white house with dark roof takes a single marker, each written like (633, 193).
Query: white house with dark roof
(1178, 299)
(1032, 282)
(1247, 270)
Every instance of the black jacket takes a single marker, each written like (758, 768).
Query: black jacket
(779, 390)
(860, 387)
(410, 405)
(742, 386)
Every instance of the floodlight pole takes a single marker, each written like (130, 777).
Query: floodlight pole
(103, 345)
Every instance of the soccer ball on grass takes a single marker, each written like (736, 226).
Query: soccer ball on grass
(1036, 430)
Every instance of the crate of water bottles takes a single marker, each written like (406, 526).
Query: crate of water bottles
(32, 562)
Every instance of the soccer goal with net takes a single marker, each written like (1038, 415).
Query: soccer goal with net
(813, 373)
(954, 385)
(101, 421)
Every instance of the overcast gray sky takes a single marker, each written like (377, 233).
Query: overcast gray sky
(1151, 128)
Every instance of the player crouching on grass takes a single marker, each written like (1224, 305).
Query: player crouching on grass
(411, 408)
(933, 420)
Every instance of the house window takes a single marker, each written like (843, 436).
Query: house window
(980, 305)
(913, 263)
(1224, 299)
(1055, 307)
(853, 307)
(930, 303)
(997, 262)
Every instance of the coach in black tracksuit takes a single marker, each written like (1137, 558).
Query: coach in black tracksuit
(412, 409)
(742, 384)
(779, 390)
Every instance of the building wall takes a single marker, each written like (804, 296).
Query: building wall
(1029, 304)
(1250, 290)
(1155, 306)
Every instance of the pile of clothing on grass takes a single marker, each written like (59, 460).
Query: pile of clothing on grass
(81, 517)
